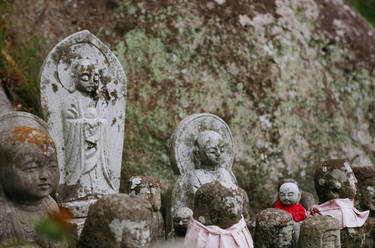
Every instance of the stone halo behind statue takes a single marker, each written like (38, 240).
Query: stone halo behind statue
(183, 139)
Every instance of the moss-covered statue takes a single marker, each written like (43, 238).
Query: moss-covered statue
(335, 184)
(274, 228)
(202, 152)
(29, 173)
(217, 219)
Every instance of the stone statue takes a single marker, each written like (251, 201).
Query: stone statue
(149, 188)
(366, 183)
(117, 221)
(29, 173)
(335, 184)
(202, 152)
(274, 228)
(320, 232)
(290, 196)
(83, 89)
(217, 220)
(307, 198)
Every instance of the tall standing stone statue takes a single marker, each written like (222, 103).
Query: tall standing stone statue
(202, 152)
(83, 89)
(29, 173)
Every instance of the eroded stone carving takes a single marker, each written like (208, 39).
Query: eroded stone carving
(217, 219)
(274, 228)
(149, 188)
(83, 89)
(320, 232)
(29, 173)
(118, 220)
(335, 184)
(202, 152)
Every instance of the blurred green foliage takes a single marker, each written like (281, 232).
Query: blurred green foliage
(366, 8)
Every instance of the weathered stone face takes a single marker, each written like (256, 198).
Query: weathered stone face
(274, 228)
(319, 231)
(32, 173)
(217, 205)
(118, 220)
(289, 194)
(181, 220)
(209, 148)
(29, 170)
(335, 179)
(29, 173)
(86, 76)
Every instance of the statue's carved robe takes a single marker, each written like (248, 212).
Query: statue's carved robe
(84, 143)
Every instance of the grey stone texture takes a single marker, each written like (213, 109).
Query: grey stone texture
(201, 152)
(82, 94)
(5, 104)
(334, 178)
(29, 173)
(215, 204)
(366, 189)
(118, 221)
(149, 188)
(320, 231)
(274, 228)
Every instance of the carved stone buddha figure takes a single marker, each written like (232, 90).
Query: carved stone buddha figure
(85, 128)
(207, 157)
(28, 174)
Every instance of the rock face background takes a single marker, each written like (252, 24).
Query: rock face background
(294, 79)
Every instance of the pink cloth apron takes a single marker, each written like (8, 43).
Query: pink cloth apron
(343, 210)
(236, 236)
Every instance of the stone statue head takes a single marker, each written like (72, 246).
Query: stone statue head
(366, 183)
(289, 194)
(334, 179)
(274, 228)
(28, 164)
(208, 150)
(181, 220)
(319, 231)
(85, 76)
(118, 220)
(215, 204)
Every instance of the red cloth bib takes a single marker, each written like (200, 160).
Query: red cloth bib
(296, 210)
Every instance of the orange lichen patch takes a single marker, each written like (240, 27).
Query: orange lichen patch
(30, 135)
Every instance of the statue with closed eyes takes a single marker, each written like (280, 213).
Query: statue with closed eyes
(29, 173)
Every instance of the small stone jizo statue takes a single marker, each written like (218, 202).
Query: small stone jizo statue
(319, 232)
(217, 220)
(274, 228)
(335, 184)
(29, 173)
